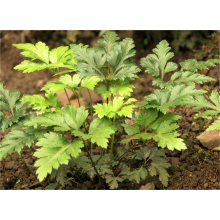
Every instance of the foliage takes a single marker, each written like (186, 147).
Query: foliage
(67, 136)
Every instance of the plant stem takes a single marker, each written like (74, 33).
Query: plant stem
(107, 90)
(90, 104)
(77, 96)
(93, 163)
(67, 96)
(126, 151)
(91, 116)
(112, 143)
(32, 148)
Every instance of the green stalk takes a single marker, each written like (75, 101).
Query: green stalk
(91, 116)
(67, 96)
(118, 158)
(77, 96)
(90, 104)
(112, 142)
(100, 179)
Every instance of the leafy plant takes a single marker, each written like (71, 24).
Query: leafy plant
(67, 136)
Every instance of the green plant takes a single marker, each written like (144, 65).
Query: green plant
(107, 69)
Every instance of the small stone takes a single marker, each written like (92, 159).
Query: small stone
(192, 168)
(17, 173)
(24, 186)
(40, 83)
(206, 185)
(210, 139)
(184, 155)
(9, 165)
(148, 186)
(197, 147)
(216, 184)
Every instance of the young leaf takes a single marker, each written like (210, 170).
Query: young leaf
(138, 174)
(40, 103)
(157, 62)
(194, 65)
(200, 102)
(188, 77)
(123, 88)
(39, 51)
(164, 98)
(158, 165)
(54, 87)
(80, 161)
(109, 41)
(74, 118)
(89, 58)
(167, 138)
(59, 57)
(55, 150)
(146, 117)
(90, 82)
(115, 107)
(14, 141)
(29, 66)
(99, 132)
(214, 126)
(49, 119)
(102, 90)
(69, 81)
(130, 130)
(143, 153)
(151, 65)
(113, 181)
(9, 101)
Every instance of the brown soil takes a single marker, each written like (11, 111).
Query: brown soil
(194, 168)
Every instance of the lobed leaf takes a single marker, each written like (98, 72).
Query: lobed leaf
(55, 150)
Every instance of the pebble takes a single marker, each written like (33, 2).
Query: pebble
(216, 184)
(192, 168)
(206, 185)
(9, 165)
(24, 186)
(197, 147)
(148, 186)
(209, 139)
